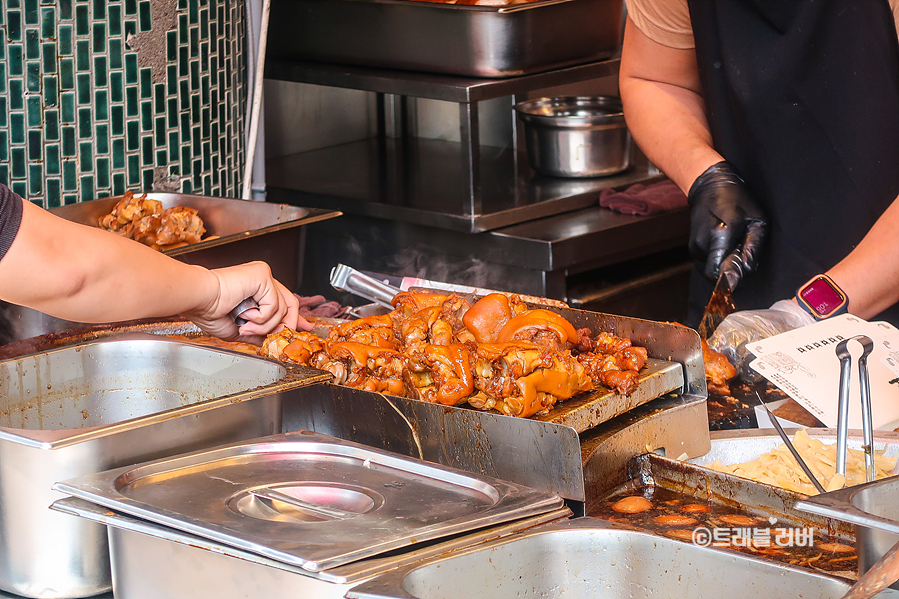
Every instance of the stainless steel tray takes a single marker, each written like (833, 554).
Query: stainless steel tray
(101, 404)
(245, 230)
(736, 446)
(871, 508)
(226, 219)
(189, 566)
(309, 500)
(693, 477)
(545, 455)
(586, 558)
(479, 41)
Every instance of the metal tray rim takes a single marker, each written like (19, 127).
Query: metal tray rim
(313, 215)
(391, 583)
(348, 574)
(294, 377)
(839, 506)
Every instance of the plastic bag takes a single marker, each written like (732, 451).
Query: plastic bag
(749, 326)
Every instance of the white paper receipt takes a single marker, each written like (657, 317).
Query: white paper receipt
(804, 365)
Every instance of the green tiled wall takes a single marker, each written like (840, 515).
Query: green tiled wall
(86, 111)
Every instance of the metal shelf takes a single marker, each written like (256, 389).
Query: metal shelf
(459, 186)
(424, 182)
(433, 86)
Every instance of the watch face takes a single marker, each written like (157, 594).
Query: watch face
(822, 297)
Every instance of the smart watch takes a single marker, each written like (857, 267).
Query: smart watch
(822, 298)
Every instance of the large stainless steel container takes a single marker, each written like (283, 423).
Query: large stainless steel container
(586, 558)
(98, 405)
(478, 41)
(872, 508)
(576, 136)
(237, 231)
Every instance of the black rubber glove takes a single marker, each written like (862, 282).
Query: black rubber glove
(724, 217)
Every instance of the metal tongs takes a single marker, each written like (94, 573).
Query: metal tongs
(786, 439)
(350, 280)
(843, 414)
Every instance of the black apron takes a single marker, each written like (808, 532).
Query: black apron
(802, 98)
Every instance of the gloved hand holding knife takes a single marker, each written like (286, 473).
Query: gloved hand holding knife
(724, 217)
(727, 231)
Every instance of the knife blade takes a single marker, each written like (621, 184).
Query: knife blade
(721, 303)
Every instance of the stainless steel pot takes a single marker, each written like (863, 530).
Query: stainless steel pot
(576, 136)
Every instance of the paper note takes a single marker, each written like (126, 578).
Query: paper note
(803, 363)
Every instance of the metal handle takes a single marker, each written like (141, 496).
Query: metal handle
(783, 435)
(845, 357)
(247, 304)
(344, 278)
(273, 495)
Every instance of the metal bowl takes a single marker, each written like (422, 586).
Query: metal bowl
(576, 136)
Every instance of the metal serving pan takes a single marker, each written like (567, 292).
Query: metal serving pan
(585, 558)
(733, 447)
(558, 459)
(107, 403)
(477, 41)
(693, 477)
(309, 500)
(186, 566)
(871, 508)
(243, 231)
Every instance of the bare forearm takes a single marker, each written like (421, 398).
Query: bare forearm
(663, 108)
(870, 273)
(89, 275)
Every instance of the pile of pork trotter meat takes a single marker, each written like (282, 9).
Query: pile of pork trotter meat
(494, 354)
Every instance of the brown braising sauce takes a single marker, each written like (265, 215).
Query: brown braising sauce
(678, 515)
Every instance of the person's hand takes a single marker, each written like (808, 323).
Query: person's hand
(278, 307)
(749, 326)
(724, 217)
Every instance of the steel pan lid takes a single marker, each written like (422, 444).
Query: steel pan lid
(309, 500)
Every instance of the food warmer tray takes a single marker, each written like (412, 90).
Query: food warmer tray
(105, 403)
(539, 453)
(187, 566)
(589, 558)
(693, 477)
(309, 500)
(586, 558)
(435, 37)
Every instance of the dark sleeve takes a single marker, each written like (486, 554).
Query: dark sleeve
(10, 217)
